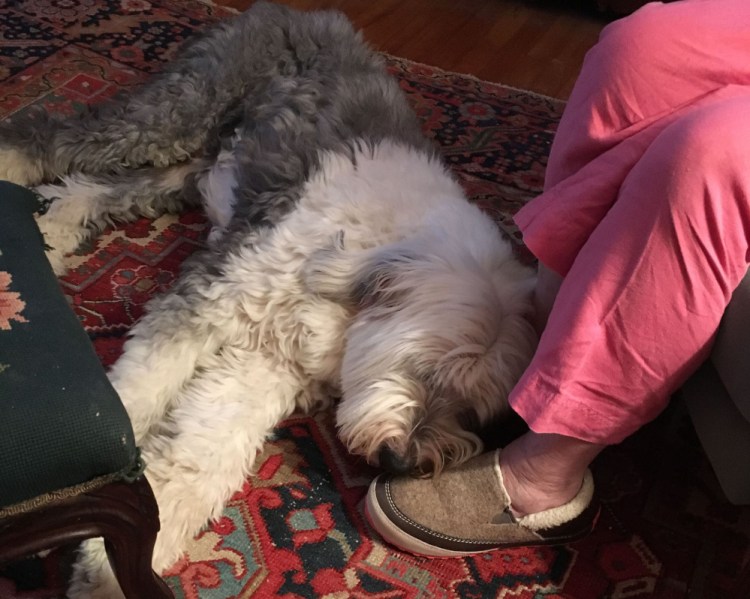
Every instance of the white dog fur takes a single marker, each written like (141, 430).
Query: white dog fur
(373, 279)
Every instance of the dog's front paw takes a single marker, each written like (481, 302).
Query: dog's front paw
(18, 168)
(63, 224)
(59, 241)
(103, 589)
(215, 235)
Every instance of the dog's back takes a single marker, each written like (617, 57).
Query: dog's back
(302, 84)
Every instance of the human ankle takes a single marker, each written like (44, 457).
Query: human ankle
(531, 492)
(541, 472)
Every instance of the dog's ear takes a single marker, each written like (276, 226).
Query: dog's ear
(486, 361)
(358, 278)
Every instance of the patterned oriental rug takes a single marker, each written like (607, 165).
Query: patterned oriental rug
(297, 528)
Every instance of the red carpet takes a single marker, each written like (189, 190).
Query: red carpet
(297, 529)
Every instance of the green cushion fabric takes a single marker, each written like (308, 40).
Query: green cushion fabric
(61, 422)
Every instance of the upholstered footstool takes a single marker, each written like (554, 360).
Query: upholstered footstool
(70, 469)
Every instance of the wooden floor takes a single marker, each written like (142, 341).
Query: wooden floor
(537, 46)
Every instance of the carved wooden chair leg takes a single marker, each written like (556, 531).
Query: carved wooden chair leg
(129, 518)
(124, 514)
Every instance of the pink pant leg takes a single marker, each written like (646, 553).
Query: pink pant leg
(646, 66)
(647, 71)
(642, 300)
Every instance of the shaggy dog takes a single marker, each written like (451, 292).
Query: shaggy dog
(343, 261)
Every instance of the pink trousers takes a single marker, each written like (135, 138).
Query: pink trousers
(646, 214)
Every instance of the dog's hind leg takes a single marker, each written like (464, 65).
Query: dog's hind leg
(202, 453)
(166, 120)
(24, 147)
(81, 204)
(172, 116)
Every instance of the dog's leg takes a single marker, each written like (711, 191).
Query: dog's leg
(224, 418)
(179, 332)
(167, 120)
(92, 566)
(23, 146)
(176, 112)
(81, 204)
(201, 454)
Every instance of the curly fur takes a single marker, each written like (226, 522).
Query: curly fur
(344, 260)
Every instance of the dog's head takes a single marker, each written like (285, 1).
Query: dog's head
(438, 337)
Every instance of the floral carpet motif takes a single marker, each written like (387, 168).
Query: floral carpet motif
(296, 529)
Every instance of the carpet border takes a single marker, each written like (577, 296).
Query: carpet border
(231, 9)
(475, 78)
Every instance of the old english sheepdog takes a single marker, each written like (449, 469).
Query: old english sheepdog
(343, 261)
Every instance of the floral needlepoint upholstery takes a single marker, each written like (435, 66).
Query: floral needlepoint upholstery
(11, 303)
(62, 426)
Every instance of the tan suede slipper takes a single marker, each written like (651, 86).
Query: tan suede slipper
(465, 510)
